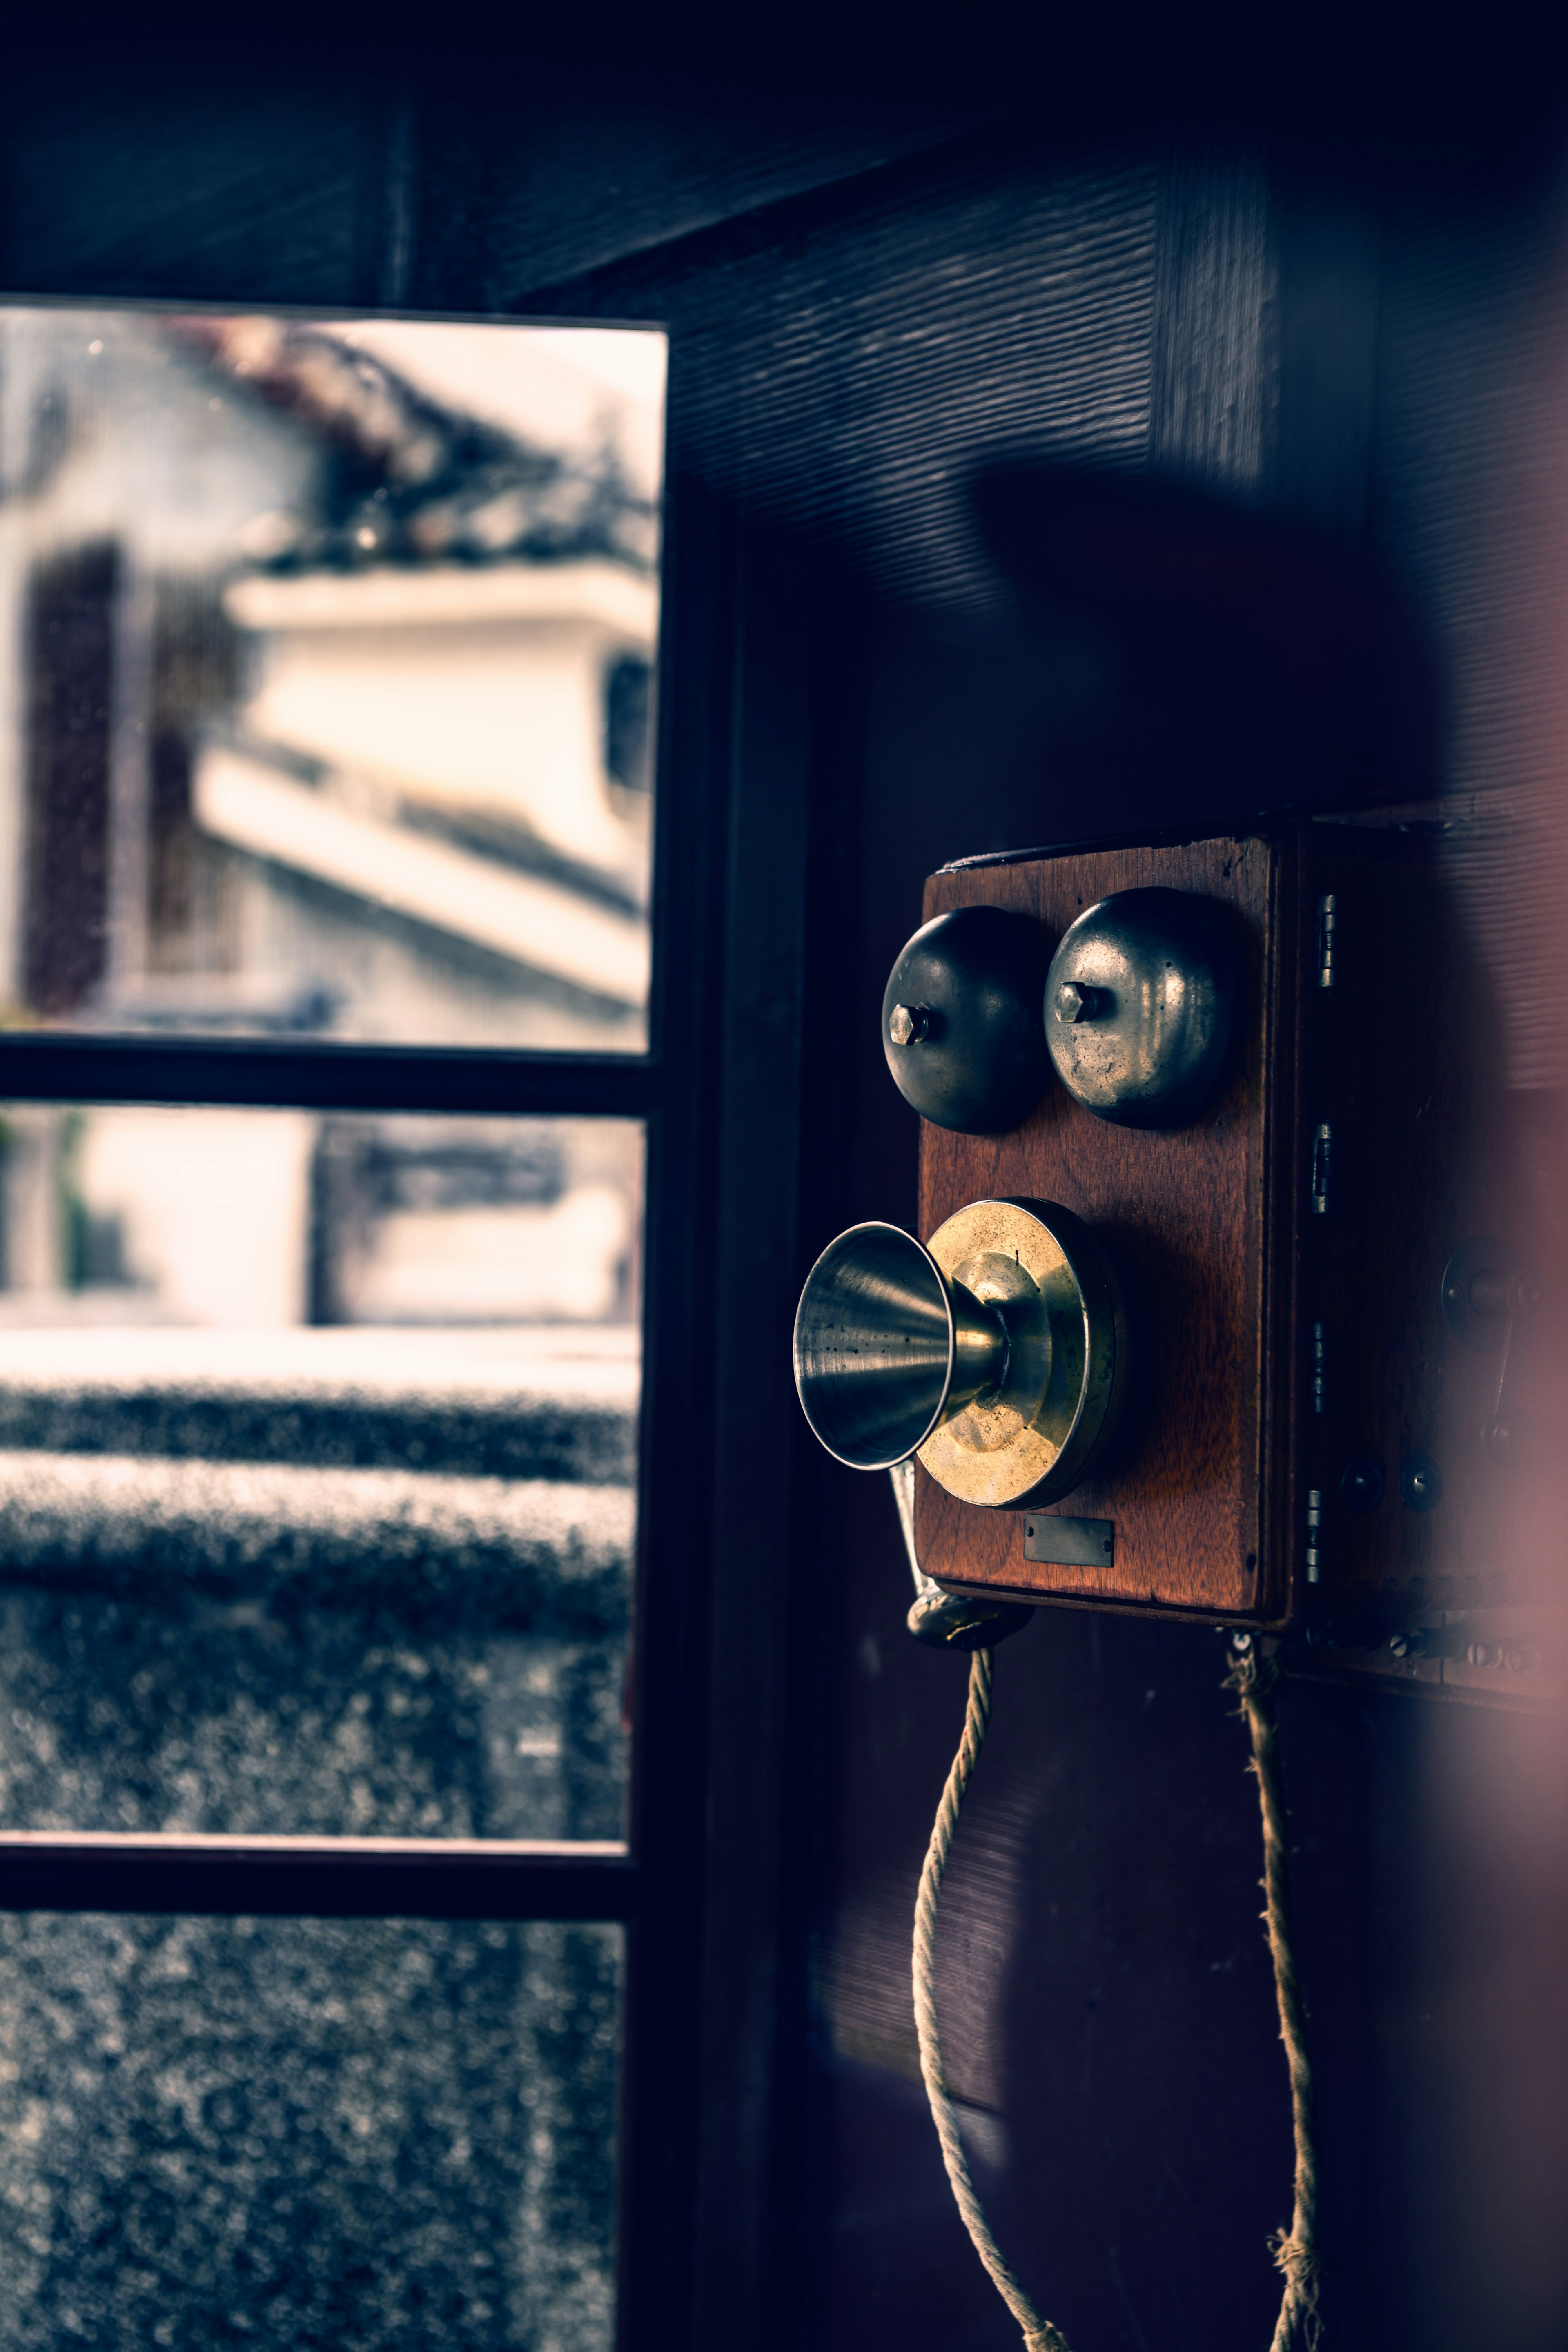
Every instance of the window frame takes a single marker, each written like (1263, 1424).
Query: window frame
(697, 2150)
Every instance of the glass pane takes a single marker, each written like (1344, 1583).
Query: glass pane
(317, 1472)
(326, 664)
(313, 2135)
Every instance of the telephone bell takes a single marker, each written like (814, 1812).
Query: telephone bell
(1134, 1012)
(1139, 1006)
(961, 1020)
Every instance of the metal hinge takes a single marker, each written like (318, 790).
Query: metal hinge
(1322, 1149)
(1326, 941)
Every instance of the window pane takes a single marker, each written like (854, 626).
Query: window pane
(326, 663)
(317, 1472)
(314, 2135)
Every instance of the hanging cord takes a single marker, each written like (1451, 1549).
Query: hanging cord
(1039, 2336)
(1294, 2250)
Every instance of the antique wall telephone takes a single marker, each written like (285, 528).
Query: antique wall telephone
(1206, 1320)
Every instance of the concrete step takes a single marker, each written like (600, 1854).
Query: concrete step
(556, 1404)
(429, 1549)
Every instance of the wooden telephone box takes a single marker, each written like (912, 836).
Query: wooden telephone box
(1315, 1432)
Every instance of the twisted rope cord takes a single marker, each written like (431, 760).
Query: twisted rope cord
(1039, 2336)
(1294, 2249)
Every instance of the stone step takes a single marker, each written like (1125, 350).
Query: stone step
(429, 1550)
(476, 1404)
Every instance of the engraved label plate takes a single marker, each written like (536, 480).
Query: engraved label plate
(1069, 1543)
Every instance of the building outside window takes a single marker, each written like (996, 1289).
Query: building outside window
(327, 652)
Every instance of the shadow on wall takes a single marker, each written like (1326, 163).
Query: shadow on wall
(1212, 657)
(1169, 657)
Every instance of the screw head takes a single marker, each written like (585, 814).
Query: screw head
(1077, 1001)
(909, 1024)
(1362, 1483)
(1421, 1484)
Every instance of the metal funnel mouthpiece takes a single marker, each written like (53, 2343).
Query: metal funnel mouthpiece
(887, 1348)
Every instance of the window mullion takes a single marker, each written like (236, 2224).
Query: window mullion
(51, 1067)
(326, 1878)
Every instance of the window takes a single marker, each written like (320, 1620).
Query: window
(329, 647)
(339, 1068)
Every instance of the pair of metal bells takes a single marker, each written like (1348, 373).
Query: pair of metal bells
(1134, 1012)
(996, 1354)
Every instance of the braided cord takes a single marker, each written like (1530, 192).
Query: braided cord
(1039, 2336)
(1295, 2250)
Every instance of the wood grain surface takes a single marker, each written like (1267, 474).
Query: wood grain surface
(1403, 1057)
(1199, 1227)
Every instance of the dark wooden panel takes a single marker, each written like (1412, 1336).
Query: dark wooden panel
(184, 188)
(1472, 455)
(1212, 410)
(1329, 253)
(752, 1815)
(1405, 1059)
(572, 172)
(1195, 1485)
(843, 366)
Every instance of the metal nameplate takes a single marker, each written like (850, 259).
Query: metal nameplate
(1069, 1543)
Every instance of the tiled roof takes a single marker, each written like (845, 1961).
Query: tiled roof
(408, 480)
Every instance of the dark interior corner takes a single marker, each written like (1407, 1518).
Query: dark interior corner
(1080, 427)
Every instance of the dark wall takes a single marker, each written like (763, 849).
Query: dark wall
(873, 299)
(1110, 2006)
(1357, 366)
